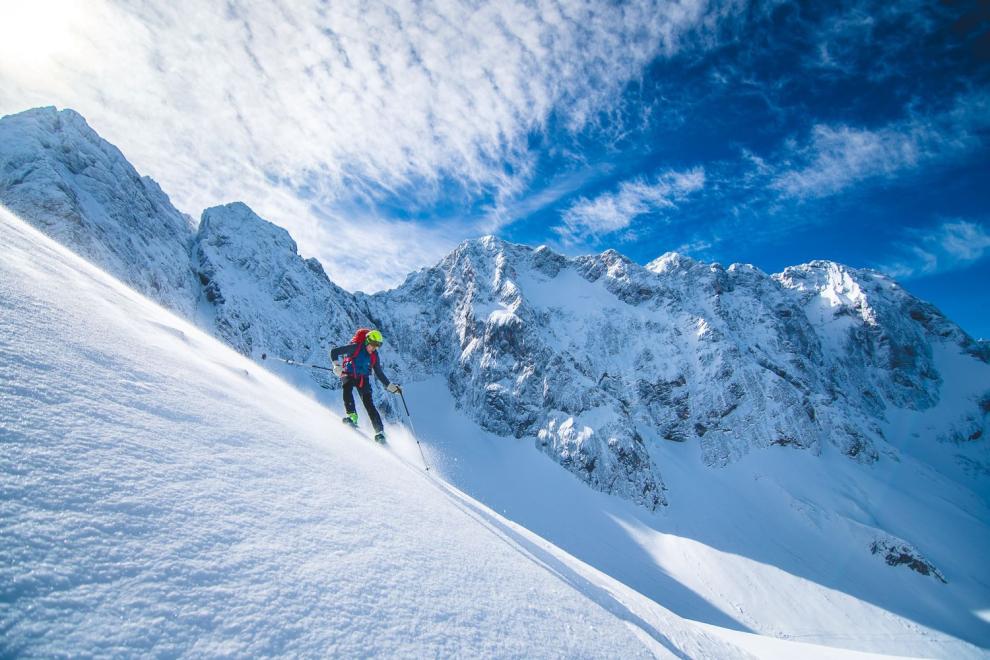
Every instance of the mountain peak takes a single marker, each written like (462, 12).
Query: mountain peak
(494, 243)
(483, 249)
(670, 261)
(236, 225)
(57, 173)
(37, 127)
(830, 278)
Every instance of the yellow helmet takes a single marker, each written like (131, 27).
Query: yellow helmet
(374, 337)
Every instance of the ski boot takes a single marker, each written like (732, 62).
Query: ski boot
(380, 438)
(351, 419)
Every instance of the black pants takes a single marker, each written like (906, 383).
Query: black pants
(364, 389)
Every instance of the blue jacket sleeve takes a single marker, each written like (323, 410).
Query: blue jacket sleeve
(380, 373)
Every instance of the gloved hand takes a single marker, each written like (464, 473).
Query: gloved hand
(338, 369)
(393, 388)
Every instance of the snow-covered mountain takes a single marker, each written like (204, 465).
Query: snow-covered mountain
(67, 181)
(259, 295)
(810, 441)
(596, 359)
(162, 496)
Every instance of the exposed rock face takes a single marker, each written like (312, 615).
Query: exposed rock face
(515, 365)
(900, 553)
(62, 177)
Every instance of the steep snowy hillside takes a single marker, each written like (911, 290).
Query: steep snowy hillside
(162, 495)
(780, 542)
(79, 189)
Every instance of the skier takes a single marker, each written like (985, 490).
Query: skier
(360, 358)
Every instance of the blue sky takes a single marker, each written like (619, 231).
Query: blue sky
(382, 134)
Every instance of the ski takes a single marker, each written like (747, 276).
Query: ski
(378, 439)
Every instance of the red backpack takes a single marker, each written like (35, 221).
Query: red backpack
(358, 338)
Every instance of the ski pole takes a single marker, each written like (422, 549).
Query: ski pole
(413, 429)
(295, 364)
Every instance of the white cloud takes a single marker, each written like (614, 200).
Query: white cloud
(613, 211)
(696, 246)
(231, 101)
(841, 156)
(359, 251)
(837, 157)
(505, 212)
(952, 245)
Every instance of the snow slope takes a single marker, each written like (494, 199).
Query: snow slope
(777, 545)
(161, 494)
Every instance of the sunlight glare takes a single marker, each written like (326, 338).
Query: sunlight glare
(33, 32)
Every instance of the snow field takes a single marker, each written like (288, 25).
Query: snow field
(162, 495)
(771, 551)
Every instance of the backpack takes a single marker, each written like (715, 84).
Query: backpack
(348, 362)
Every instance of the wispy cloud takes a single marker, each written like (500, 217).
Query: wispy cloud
(696, 247)
(869, 40)
(226, 101)
(952, 245)
(360, 250)
(614, 211)
(507, 211)
(837, 157)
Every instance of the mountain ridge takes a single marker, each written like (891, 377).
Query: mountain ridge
(163, 496)
(677, 350)
(706, 409)
(56, 171)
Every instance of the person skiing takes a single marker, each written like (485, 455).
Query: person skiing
(360, 358)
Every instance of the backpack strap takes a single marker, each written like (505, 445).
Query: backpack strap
(349, 360)
(348, 364)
